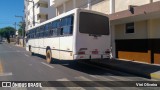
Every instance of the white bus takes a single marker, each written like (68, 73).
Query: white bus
(77, 34)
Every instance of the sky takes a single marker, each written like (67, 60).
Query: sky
(8, 10)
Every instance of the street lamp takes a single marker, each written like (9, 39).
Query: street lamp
(33, 11)
(23, 26)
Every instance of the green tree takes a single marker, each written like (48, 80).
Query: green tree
(7, 32)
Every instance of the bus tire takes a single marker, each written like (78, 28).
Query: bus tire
(30, 50)
(48, 56)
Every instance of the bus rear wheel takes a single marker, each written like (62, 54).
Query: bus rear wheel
(49, 56)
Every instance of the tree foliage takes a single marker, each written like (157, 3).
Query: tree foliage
(21, 28)
(7, 32)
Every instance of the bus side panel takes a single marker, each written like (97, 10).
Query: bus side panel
(53, 43)
(32, 45)
(41, 46)
(27, 45)
(66, 48)
(36, 46)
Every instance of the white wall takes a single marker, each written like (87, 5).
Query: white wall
(101, 6)
(140, 31)
(51, 11)
(154, 28)
(121, 5)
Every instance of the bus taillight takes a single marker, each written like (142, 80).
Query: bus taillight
(81, 52)
(94, 52)
(107, 51)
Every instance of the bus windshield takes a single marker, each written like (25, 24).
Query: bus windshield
(93, 24)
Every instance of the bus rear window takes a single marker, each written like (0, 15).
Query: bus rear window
(93, 24)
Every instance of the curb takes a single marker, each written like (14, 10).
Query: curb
(134, 71)
(155, 75)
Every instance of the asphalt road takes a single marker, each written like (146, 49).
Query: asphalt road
(16, 64)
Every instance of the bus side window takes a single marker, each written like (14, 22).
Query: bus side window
(54, 29)
(46, 30)
(31, 34)
(63, 24)
(28, 34)
(58, 27)
(42, 31)
(70, 20)
(34, 33)
(37, 34)
(68, 25)
(50, 31)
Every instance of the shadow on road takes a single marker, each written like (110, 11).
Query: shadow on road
(82, 66)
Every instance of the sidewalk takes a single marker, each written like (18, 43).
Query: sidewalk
(141, 69)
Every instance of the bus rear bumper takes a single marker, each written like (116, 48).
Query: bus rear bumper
(95, 56)
(77, 57)
(106, 56)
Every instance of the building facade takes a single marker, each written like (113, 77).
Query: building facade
(134, 24)
(137, 31)
(63, 6)
(37, 11)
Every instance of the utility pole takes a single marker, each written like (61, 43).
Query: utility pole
(23, 26)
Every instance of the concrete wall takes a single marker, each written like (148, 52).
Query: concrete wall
(143, 30)
(50, 11)
(143, 45)
(69, 5)
(140, 31)
(59, 9)
(104, 5)
(121, 5)
(81, 3)
(96, 5)
(154, 28)
(101, 6)
(155, 0)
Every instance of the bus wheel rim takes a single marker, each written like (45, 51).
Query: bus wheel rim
(48, 56)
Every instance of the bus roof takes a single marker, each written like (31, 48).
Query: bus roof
(66, 14)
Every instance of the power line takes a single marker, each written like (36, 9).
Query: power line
(6, 23)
